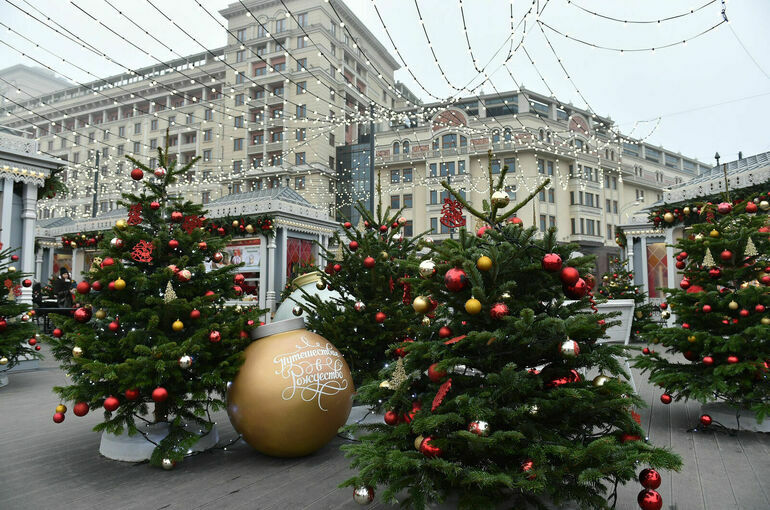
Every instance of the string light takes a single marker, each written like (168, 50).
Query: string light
(641, 22)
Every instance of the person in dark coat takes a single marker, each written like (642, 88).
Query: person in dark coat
(62, 289)
(37, 294)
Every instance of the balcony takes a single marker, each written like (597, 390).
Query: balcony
(587, 239)
(274, 146)
(582, 209)
(273, 99)
(256, 148)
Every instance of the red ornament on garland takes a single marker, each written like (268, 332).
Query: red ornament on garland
(732, 359)
(444, 332)
(726, 255)
(649, 499)
(173, 244)
(84, 288)
(57, 333)
(108, 261)
(724, 208)
(483, 230)
(706, 308)
(83, 315)
(751, 207)
(159, 394)
(27, 283)
(239, 279)
(177, 217)
(498, 311)
(184, 275)
(427, 448)
(113, 326)
(353, 246)
(576, 291)
(759, 308)
(97, 286)
(694, 289)
(154, 206)
(111, 403)
(680, 264)
(380, 317)
(391, 418)
(32, 341)
(649, 478)
(715, 272)
(569, 276)
(337, 268)
(455, 279)
(80, 409)
(369, 262)
(215, 336)
(685, 283)
(551, 262)
(435, 374)
(132, 394)
(14, 258)
(137, 174)
(347, 224)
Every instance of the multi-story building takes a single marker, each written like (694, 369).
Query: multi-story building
(267, 110)
(597, 176)
(31, 81)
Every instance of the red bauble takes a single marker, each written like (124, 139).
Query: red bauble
(380, 317)
(27, 282)
(369, 262)
(705, 420)
(726, 255)
(685, 283)
(32, 341)
(751, 207)
(682, 254)
(516, 220)
(680, 264)
(14, 258)
(444, 332)
(114, 326)
(337, 268)
(108, 261)
(663, 306)
(692, 289)
(391, 417)
(83, 288)
(435, 374)
(766, 279)
(154, 206)
(132, 394)
(744, 313)
(724, 207)
(649, 478)
(238, 290)
(217, 257)
(195, 314)
(590, 281)
(528, 466)
(480, 232)
(58, 417)
(649, 499)
(551, 262)
(715, 272)
(137, 174)
(732, 359)
(499, 310)
(408, 417)
(203, 246)
(569, 276)
(111, 403)
(159, 394)
(347, 224)
(80, 409)
(215, 336)
(367, 224)
(455, 279)
(706, 308)
(210, 294)
(173, 268)
(427, 449)
(3, 324)
(666, 399)
(708, 361)
(177, 217)
(383, 228)
(353, 246)
(576, 291)
(97, 286)
(759, 308)
(184, 275)
(57, 333)
(173, 244)
(239, 279)
(690, 356)
(400, 351)
(83, 314)
(111, 286)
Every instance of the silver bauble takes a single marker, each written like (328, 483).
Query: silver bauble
(569, 349)
(185, 361)
(168, 464)
(479, 427)
(363, 495)
(297, 311)
(427, 268)
(359, 306)
(500, 198)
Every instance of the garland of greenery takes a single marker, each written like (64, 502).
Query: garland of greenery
(82, 240)
(242, 226)
(52, 185)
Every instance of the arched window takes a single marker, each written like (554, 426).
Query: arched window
(495, 136)
(463, 141)
(606, 154)
(612, 155)
(541, 135)
(405, 147)
(548, 136)
(396, 148)
(435, 143)
(507, 134)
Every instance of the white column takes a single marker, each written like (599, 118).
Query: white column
(629, 249)
(5, 213)
(39, 264)
(319, 249)
(643, 264)
(77, 264)
(262, 272)
(281, 264)
(671, 265)
(271, 268)
(28, 237)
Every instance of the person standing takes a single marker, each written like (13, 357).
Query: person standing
(62, 289)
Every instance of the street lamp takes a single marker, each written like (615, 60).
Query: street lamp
(638, 201)
(716, 156)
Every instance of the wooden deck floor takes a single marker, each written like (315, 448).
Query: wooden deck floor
(49, 466)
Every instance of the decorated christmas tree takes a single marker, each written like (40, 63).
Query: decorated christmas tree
(504, 396)
(155, 332)
(722, 320)
(373, 310)
(17, 331)
(618, 283)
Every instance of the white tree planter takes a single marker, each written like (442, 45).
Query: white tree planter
(137, 448)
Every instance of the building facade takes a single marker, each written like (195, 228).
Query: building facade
(598, 177)
(29, 81)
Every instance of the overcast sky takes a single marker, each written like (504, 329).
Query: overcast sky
(699, 89)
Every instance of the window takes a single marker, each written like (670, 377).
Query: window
(76, 157)
(542, 223)
(551, 196)
(550, 168)
(137, 147)
(572, 222)
(276, 136)
(238, 121)
(640, 194)
(407, 175)
(651, 154)
(260, 71)
(331, 139)
(299, 158)
(301, 64)
(301, 42)
(91, 138)
(609, 231)
(208, 114)
(105, 136)
(408, 201)
(395, 202)
(302, 19)
(301, 111)
(408, 228)
(435, 144)
(207, 155)
(240, 55)
(206, 135)
(447, 168)
(240, 77)
(137, 128)
(277, 113)
(614, 182)
(461, 167)
(279, 67)
(495, 166)
(122, 131)
(433, 197)
(615, 206)
(434, 225)
(395, 176)
(238, 144)
(205, 197)
(280, 26)
(608, 204)
(551, 221)
(301, 134)
(510, 163)
(433, 169)
(448, 141)
(239, 99)
(541, 195)
(540, 166)
(301, 87)
(463, 141)
(261, 31)
(278, 91)
(172, 120)
(511, 190)
(154, 143)
(299, 182)
(495, 136)
(240, 34)
(396, 148)
(237, 166)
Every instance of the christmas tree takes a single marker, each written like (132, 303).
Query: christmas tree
(154, 328)
(367, 269)
(17, 332)
(505, 396)
(618, 283)
(721, 313)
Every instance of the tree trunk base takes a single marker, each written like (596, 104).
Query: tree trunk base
(137, 448)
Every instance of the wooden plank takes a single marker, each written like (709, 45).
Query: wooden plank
(744, 480)
(756, 448)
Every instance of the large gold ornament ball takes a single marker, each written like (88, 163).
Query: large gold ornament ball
(473, 306)
(121, 224)
(235, 223)
(692, 339)
(384, 255)
(421, 304)
(120, 284)
(293, 392)
(638, 314)
(250, 228)
(417, 442)
(601, 380)
(668, 217)
(426, 321)
(484, 263)
(177, 325)
(61, 408)
(714, 233)
(686, 211)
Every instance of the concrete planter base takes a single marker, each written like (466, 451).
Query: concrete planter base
(724, 414)
(137, 449)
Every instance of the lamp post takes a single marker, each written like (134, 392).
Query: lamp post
(638, 201)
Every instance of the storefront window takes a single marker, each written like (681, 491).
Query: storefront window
(657, 269)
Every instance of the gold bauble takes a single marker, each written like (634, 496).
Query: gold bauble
(320, 285)
(235, 223)
(121, 224)
(764, 205)
(100, 314)
(473, 306)
(606, 278)
(692, 339)
(384, 255)
(668, 217)
(293, 392)
(77, 352)
(656, 340)
(61, 408)
(765, 321)
(686, 211)
(177, 325)
(120, 284)
(484, 263)
(638, 314)
(426, 321)
(250, 228)
(418, 442)
(601, 380)
(11, 269)
(385, 384)
(421, 304)
(732, 305)
(714, 233)
(4, 360)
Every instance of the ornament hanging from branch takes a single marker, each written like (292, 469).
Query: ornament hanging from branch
(708, 260)
(170, 294)
(190, 223)
(751, 250)
(452, 213)
(399, 375)
(441, 394)
(142, 251)
(135, 214)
